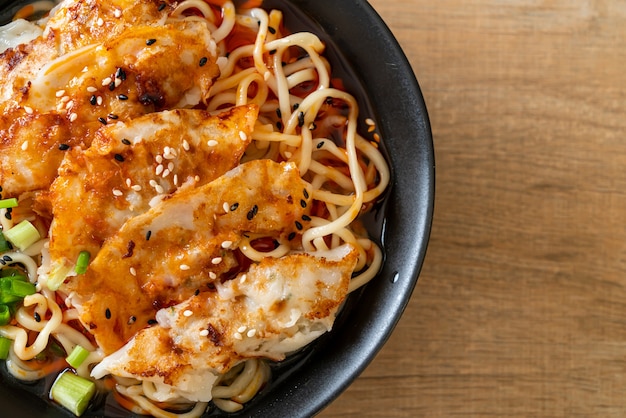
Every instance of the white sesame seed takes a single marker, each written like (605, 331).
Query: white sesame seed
(65, 99)
(251, 333)
(243, 278)
(204, 332)
(196, 178)
(166, 172)
(28, 110)
(238, 336)
(159, 169)
(184, 267)
(158, 159)
(166, 150)
(106, 81)
(187, 313)
(212, 275)
(170, 166)
(370, 122)
(85, 69)
(133, 271)
(152, 183)
(225, 206)
(175, 179)
(60, 93)
(69, 104)
(185, 145)
(117, 192)
(136, 187)
(288, 154)
(100, 21)
(117, 13)
(159, 189)
(129, 183)
(212, 143)
(216, 260)
(92, 89)
(242, 328)
(73, 117)
(118, 82)
(243, 135)
(99, 100)
(226, 244)
(24, 145)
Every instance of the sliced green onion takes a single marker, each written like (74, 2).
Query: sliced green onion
(6, 293)
(13, 273)
(82, 262)
(22, 235)
(20, 288)
(8, 203)
(5, 346)
(4, 244)
(73, 392)
(5, 315)
(77, 356)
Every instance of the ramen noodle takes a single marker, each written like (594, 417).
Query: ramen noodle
(182, 187)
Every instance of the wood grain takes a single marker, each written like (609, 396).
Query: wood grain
(520, 309)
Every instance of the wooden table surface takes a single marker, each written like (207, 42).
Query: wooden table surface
(520, 309)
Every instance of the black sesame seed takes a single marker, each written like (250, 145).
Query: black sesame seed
(64, 147)
(306, 218)
(102, 121)
(296, 105)
(93, 100)
(312, 126)
(125, 141)
(272, 52)
(37, 317)
(279, 113)
(150, 41)
(119, 157)
(234, 207)
(197, 292)
(7, 258)
(112, 85)
(112, 116)
(107, 313)
(132, 320)
(120, 73)
(148, 235)
(4, 263)
(291, 236)
(162, 6)
(300, 119)
(122, 97)
(279, 125)
(329, 100)
(252, 213)
(152, 321)
(320, 144)
(203, 61)
(1, 189)
(305, 193)
(271, 30)
(298, 226)
(303, 203)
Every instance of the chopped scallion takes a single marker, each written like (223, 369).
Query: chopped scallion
(22, 235)
(4, 244)
(8, 203)
(82, 262)
(5, 346)
(77, 356)
(5, 314)
(20, 288)
(6, 293)
(73, 392)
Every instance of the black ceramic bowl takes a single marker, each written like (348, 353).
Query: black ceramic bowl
(365, 54)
